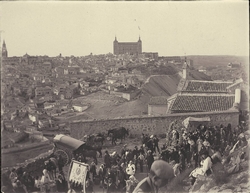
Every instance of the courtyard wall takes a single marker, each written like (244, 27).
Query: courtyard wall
(149, 124)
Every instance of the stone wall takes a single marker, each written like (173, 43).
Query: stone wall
(149, 124)
(157, 109)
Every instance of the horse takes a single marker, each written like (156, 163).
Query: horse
(98, 138)
(119, 133)
(88, 147)
(90, 154)
(98, 149)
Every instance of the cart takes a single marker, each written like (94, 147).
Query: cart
(66, 147)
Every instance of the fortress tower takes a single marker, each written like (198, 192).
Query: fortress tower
(133, 48)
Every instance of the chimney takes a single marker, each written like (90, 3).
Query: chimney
(237, 96)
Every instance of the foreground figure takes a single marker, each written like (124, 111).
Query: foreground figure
(160, 174)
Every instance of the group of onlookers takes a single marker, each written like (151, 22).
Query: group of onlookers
(200, 148)
(20, 181)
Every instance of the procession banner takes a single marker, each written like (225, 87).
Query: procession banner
(78, 173)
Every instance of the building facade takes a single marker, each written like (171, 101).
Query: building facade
(133, 48)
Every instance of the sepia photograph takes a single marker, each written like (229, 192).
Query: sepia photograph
(124, 96)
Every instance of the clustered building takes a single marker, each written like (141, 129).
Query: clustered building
(53, 82)
(198, 96)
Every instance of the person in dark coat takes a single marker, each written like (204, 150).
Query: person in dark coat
(111, 186)
(60, 163)
(89, 186)
(121, 180)
(135, 156)
(156, 146)
(61, 183)
(123, 150)
(150, 159)
(141, 150)
(28, 181)
(182, 160)
(93, 169)
(107, 160)
(141, 160)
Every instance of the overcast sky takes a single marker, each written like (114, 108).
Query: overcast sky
(169, 28)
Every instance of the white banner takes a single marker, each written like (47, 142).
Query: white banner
(78, 173)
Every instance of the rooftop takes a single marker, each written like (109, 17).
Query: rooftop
(205, 86)
(202, 102)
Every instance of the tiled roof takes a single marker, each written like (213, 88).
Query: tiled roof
(202, 103)
(158, 100)
(206, 86)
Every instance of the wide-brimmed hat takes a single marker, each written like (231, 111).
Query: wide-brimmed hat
(162, 169)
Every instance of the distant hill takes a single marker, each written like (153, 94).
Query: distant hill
(209, 61)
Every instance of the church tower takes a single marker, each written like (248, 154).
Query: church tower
(139, 46)
(185, 70)
(4, 50)
(115, 46)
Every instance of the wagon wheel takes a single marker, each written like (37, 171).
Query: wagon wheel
(64, 156)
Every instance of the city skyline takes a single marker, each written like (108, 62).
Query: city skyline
(81, 28)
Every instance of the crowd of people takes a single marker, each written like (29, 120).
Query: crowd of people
(199, 148)
(22, 181)
(117, 173)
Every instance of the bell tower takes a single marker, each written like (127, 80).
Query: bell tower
(115, 46)
(139, 51)
(4, 50)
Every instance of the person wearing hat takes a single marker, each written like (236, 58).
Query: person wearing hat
(124, 149)
(156, 145)
(160, 174)
(107, 159)
(141, 160)
(150, 159)
(135, 153)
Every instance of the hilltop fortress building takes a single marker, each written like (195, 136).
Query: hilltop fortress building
(133, 48)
